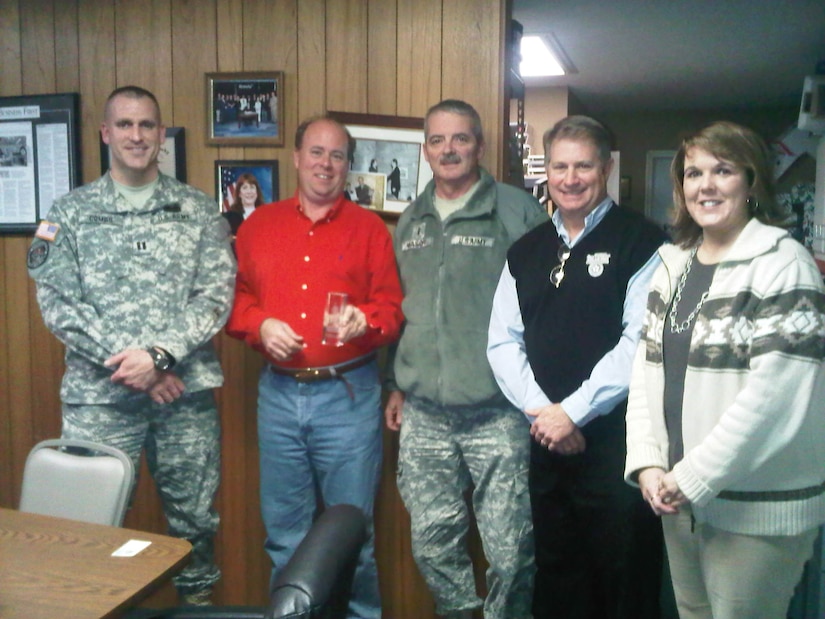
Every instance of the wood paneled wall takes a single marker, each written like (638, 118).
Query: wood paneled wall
(393, 57)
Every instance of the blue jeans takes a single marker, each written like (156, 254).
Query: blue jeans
(317, 440)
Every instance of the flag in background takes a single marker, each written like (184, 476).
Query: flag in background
(227, 188)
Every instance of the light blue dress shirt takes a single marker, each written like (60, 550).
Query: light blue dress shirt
(609, 379)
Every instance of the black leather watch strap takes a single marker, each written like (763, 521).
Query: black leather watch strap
(163, 360)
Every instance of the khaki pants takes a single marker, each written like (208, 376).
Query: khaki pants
(722, 575)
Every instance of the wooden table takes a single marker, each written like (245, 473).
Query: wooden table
(52, 567)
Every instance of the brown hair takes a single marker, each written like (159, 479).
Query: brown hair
(740, 146)
(302, 129)
(132, 92)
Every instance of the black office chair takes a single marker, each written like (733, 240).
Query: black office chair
(315, 584)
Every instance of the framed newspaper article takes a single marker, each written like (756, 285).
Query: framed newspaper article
(39, 156)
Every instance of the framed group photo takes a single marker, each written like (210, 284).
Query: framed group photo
(242, 186)
(388, 158)
(245, 109)
(171, 157)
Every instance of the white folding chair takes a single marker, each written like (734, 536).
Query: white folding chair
(80, 480)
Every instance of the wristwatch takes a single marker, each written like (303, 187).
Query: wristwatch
(163, 360)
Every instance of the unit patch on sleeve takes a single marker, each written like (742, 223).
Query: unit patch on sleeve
(38, 253)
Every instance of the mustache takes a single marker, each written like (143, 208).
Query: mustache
(450, 158)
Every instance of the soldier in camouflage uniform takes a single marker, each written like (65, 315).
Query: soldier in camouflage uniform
(135, 275)
(458, 430)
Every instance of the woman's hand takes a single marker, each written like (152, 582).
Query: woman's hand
(650, 483)
(669, 492)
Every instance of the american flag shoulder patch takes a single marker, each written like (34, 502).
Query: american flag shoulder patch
(47, 231)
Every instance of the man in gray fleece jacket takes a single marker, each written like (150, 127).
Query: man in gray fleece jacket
(457, 429)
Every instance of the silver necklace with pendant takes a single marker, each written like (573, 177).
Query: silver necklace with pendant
(685, 324)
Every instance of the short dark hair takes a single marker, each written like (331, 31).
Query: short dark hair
(302, 129)
(579, 128)
(740, 146)
(133, 92)
(462, 108)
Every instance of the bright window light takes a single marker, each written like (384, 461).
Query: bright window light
(537, 59)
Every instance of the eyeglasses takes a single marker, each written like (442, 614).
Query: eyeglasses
(557, 274)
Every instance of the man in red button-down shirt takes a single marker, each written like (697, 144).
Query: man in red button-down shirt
(319, 419)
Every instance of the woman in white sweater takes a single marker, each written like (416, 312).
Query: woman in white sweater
(726, 413)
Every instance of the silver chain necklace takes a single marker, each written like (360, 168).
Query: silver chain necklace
(679, 328)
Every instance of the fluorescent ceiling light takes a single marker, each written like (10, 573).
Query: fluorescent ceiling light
(537, 59)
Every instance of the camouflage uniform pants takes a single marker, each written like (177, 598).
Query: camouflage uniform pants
(445, 451)
(182, 442)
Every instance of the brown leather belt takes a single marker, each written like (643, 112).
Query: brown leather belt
(311, 375)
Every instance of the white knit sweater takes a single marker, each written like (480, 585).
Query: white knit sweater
(754, 404)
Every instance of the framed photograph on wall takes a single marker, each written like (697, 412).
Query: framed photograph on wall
(387, 152)
(367, 189)
(242, 186)
(171, 158)
(39, 156)
(245, 109)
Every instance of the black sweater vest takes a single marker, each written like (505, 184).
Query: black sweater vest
(569, 328)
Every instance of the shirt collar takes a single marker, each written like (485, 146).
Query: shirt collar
(592, 220)
(480, 199)
(332, 213)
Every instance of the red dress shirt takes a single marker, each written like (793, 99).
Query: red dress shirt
(287, 264)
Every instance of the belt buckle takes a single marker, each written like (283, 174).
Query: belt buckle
(303, 376)
(310, 375)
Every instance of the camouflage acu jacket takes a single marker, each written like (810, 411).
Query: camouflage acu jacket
(111, 277)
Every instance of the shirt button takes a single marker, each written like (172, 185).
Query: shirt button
(303, 286)
(303, 315)
(306, 258)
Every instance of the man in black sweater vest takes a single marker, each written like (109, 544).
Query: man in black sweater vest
(566, 319)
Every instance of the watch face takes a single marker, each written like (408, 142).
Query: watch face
(160, 360)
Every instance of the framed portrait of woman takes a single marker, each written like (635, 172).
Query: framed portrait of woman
(241, 186)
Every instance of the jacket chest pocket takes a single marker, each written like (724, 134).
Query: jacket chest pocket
(101, 258)
(476, 253)
(161, 249)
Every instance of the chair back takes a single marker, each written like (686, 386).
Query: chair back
(315, 583)
(80, 480)
(317, 580)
